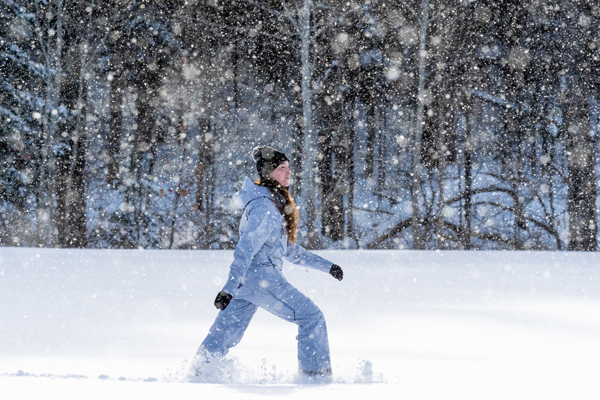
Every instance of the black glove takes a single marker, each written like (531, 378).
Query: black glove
(336, 272)
(222, 300)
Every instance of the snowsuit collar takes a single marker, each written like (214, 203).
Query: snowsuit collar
(251, 191)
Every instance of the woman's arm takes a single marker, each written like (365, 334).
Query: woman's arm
(299, 255)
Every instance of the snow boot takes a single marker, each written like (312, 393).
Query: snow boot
(316, 377)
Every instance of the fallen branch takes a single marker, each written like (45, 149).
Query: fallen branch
(393, 232)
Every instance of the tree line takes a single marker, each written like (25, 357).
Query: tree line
(423, 124)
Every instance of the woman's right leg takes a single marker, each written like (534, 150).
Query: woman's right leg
(228, 328)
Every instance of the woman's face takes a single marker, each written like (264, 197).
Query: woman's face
(282, 174)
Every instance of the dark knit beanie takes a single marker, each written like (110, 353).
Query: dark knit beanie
(267, 159)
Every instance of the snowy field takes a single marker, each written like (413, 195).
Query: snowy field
(99, 324)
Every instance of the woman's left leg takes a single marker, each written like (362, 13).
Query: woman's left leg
(228, 328)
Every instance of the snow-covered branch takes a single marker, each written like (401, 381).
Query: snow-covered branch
(289, 14)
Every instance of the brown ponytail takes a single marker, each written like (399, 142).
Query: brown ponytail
(289, 210)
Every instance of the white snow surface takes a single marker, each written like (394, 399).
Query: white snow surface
(100, 324)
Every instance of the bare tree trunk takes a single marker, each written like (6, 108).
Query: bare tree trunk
(70, 196)
(441, 149)
(466, 239)
(582, 190)
(550, 152)
(517, 179)
(336, 197)
(330, 99)
(297, 139)
(449, 29)
(308, 146)
(63, 160)
(53, 61)
(78, 209)
(204, 146)
(349, 163)
(581, 156)
(117, 91)
(147, 92)
(296, 160)
(179, 191)
(204, 186)
(143, 151)
(235, 59)
(417, 219)
(77, 214)
(204, 168)
(381, 151)
(371, 134)
(325, 163)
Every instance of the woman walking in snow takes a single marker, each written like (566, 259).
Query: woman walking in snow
(267, 236)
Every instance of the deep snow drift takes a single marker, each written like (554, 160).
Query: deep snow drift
(415, 325)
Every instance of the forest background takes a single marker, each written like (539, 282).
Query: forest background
(417, 124)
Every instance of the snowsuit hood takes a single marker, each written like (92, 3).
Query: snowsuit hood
(251, 191)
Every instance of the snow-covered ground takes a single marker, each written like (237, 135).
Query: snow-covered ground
(99, 324)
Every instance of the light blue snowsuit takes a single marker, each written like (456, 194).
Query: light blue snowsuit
(256, 280)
